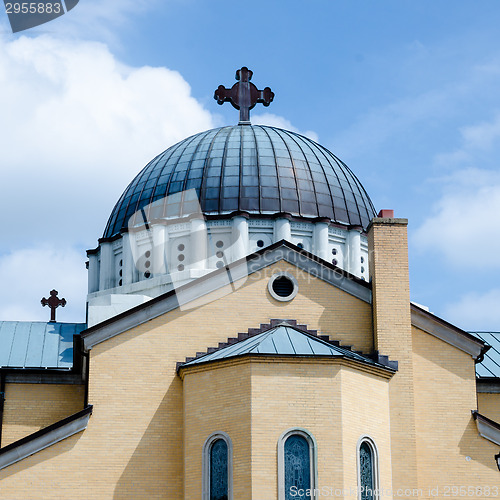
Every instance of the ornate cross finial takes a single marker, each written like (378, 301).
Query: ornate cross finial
(53, 302)
(244, 95)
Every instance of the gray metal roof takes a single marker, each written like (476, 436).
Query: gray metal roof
(490, 366)
(26, 344)
(283, 339)
(254, 168)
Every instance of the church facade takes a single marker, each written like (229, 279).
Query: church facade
(249, 335)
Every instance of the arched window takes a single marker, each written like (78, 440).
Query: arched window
(217, 467)
(296, 465)
(367, 469)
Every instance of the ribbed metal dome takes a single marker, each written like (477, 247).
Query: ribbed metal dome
(251, 168)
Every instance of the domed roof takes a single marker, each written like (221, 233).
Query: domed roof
(251, 168)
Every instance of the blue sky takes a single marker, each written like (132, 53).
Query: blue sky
(405, 92)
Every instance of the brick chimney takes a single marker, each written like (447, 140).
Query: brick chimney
(388, 256)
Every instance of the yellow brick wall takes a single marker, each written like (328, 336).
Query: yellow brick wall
(133, 445)
(31, 407)
(295, 395)
(446, 432)
(217, 399)
(256, 400)
(366, 412)
(388, 257)
(489, 405)
(318, 397)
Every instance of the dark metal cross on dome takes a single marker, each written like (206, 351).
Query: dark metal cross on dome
(53, 302)
(244, 95)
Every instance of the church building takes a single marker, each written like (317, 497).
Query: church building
(249, 336)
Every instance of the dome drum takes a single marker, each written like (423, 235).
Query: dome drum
(151, 262)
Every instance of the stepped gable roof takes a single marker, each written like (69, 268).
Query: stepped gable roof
(284, 339)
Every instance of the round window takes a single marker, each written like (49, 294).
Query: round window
(283, 287)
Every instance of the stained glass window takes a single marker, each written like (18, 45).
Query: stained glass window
(218, 471)
(366, 471)
(297, 465)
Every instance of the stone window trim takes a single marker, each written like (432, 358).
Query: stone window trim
(373, 447)
(207, 446)
(291, 277)
(313, 451)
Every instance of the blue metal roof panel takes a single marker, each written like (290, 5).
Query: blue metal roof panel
(7, 332)
(251, 345)
(50, 355)
(277, 342)
(280, 340)
(34, 348)
(19, 345)
(67, 330)
(300, 342)
(490, 366)
(25, 344)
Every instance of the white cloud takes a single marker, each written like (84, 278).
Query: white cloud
(464, 223)
(475, 140)
(29, 274)
(280, 122)
(79, 126)
(476, 311)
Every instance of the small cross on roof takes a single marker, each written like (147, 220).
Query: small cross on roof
(53, 302)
